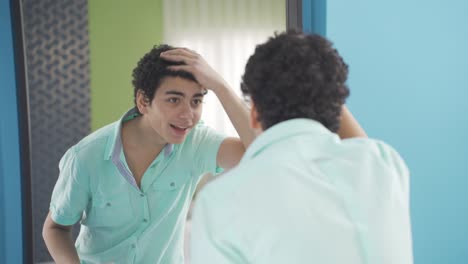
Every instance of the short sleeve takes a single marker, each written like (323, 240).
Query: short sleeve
(395, 161)
(71, 192)
(207, 142)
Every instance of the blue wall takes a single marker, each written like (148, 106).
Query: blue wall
(409, 86)
(10, 181)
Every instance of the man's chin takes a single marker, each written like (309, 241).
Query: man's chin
(176, 140)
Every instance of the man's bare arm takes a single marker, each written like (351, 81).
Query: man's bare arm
(349, 126)
(59, 242)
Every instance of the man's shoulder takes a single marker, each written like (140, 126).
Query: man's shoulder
(376, 146)
(200, 138)
(377, 149)
(200, 132)
(96, 141)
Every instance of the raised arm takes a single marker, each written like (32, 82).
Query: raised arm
(232, 149)
(349, 126)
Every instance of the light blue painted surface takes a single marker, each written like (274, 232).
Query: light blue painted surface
(11, 250)
(409, 86)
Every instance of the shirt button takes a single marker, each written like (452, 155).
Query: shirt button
(172, 184)
(145, 220)
(133, 246)
(108, 204)
(142, 195)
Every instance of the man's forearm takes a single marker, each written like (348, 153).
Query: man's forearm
(237, 112)
(349, 126)
(60, 245)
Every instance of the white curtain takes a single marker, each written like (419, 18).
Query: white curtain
(225, 33)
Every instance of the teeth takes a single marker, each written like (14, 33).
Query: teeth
(179, 127)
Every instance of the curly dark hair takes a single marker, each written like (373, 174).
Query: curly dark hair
(296, 75)
(151, 71)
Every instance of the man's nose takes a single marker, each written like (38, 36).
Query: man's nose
(186, 111)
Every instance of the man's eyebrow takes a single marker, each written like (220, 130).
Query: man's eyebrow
(200, 94)
(176, 93)
(205, 91)
(183, 94)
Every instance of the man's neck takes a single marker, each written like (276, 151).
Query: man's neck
(138, 134)
(141, 145)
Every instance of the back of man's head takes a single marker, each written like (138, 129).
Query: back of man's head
(295, 75)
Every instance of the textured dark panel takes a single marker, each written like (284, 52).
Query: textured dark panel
(57, 56)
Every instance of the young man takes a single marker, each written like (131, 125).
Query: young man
(130, 183)
(301, 194)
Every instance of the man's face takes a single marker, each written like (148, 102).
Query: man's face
(176, 108)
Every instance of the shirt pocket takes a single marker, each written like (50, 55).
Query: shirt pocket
(170, 194)
(170, 183)
(110, 211)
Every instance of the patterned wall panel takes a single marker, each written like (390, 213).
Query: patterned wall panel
(57, 55)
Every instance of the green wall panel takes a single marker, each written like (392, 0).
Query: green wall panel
(120, 32)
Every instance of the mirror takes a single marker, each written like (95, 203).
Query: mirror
(80, 55)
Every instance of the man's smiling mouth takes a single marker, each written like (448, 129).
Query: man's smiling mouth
(180, 128)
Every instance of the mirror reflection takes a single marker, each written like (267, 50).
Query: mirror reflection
(80, 57)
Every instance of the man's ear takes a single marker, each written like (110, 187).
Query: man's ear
(254, 123)
(142, 102)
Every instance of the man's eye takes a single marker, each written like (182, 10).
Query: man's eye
(197, 101)
(173, 100)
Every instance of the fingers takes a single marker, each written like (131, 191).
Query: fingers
(179, 58)
(181, 53)
(186, 68)
(185, 55)
(190, 52)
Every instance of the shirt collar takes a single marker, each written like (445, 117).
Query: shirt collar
(114, 143)
(284, 130)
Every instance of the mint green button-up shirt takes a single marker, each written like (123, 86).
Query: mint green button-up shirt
(121, 223)
(302, 195)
